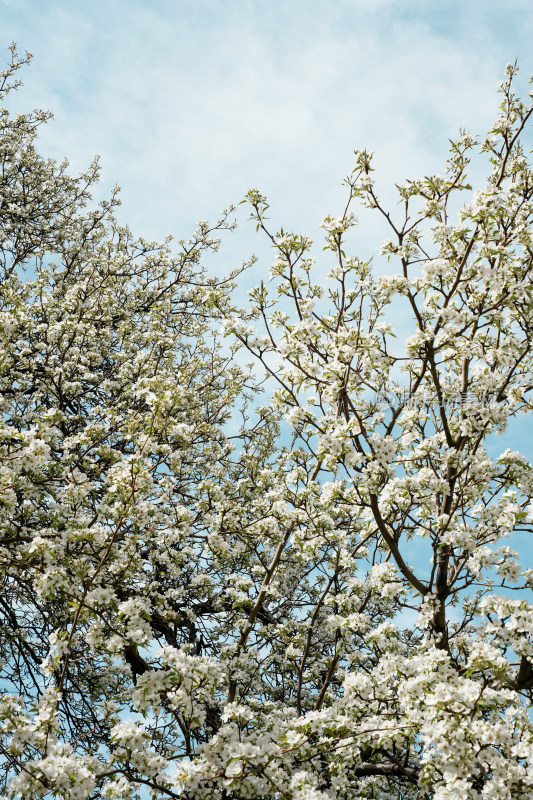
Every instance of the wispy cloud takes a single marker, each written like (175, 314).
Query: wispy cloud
(191, 103)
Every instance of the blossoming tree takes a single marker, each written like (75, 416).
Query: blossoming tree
(317, 604)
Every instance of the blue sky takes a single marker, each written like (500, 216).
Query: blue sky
(190, 103)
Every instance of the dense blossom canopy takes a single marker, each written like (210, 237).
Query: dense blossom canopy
(308, 600)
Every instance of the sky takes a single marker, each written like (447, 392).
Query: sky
(190, 103)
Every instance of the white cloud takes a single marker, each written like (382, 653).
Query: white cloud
(191, 103)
